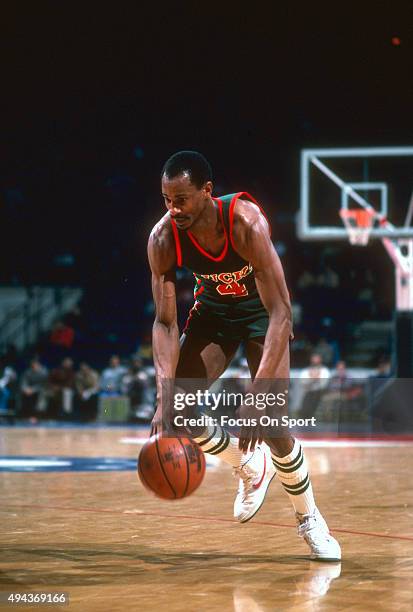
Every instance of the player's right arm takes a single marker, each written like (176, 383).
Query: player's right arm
(165, 336)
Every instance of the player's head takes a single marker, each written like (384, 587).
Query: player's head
(186, 186)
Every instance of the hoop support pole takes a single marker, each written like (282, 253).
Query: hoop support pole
(401, 253)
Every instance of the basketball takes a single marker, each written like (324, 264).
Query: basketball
(172, 468)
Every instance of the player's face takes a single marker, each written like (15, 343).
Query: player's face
(184, 200)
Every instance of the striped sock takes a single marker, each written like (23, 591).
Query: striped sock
(216, 441)
(292, 471)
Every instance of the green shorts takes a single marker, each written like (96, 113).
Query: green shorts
(240, 321)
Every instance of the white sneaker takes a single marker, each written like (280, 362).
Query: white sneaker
(254, 478)
(314, 530)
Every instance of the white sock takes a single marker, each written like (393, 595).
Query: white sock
(216, 441)
(292, 472)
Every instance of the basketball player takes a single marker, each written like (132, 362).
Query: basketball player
(240, 296)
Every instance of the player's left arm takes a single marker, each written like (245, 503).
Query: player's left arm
(256, 247)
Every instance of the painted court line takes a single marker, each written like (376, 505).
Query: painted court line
(194, 518)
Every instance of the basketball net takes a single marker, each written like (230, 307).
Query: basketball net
(359, 223)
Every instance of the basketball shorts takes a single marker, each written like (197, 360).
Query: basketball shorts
(239, 322)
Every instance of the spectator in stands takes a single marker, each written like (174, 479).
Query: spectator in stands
(62, 335)
(339, 377)
(33, 389)
(136, 385)
(345, 395)
(341, 381)
(111, 379)
(61, 341)
(8, 379)
(61, 389)
(314, 380)
(87, 387)
(326, 351)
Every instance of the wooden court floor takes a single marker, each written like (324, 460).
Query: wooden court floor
(100, 537)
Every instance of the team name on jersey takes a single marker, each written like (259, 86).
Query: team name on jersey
(229, 281)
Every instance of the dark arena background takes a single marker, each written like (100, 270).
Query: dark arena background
(307, 107)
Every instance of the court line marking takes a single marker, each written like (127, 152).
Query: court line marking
(195, 518)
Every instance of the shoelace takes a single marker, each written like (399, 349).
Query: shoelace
(308, 524)
(246, 478)
(305, 529)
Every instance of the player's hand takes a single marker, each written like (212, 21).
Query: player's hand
(250, 434)
(161, 421)
(157, 424)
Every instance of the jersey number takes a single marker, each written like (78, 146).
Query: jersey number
(233, 288)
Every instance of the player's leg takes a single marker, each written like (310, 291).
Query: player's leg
(283, 444)
(257, 473)
(201, 362)
(286, 452)
(200, 357)
(291, 467)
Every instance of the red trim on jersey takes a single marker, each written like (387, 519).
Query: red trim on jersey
(177, 244)
(201, 288)
(198, 246)
(194, 308)
(199, 291)
(231, 212)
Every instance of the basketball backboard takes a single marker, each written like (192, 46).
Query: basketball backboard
(379, 179)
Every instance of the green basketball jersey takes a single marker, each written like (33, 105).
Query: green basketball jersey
(224, 279)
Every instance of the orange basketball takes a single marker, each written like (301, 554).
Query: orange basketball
(172, 468)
